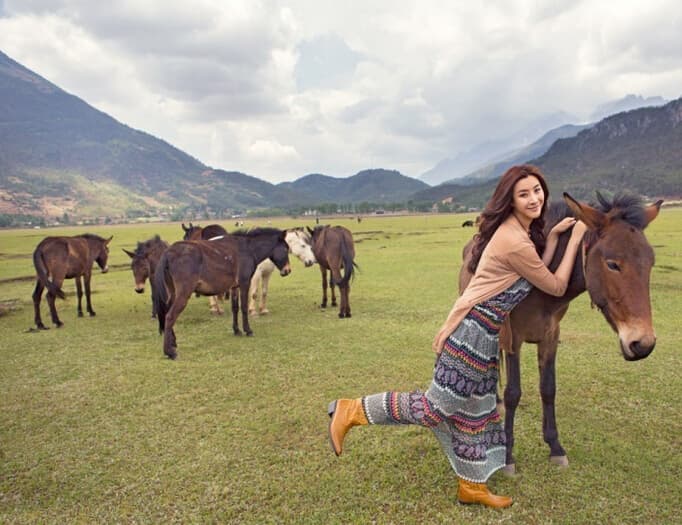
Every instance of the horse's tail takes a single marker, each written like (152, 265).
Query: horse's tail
(349, 265)
(41, 272)
(160, 292)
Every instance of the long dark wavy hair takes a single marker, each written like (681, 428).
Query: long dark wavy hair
(499, 207)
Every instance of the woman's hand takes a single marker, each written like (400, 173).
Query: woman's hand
(563, 225)
(441, 337)
(579, 230)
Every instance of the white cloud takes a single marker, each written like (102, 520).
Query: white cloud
(280, 89)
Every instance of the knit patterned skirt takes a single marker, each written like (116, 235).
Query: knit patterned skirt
(460, 405)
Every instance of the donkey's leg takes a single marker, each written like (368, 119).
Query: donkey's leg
(79, 295)
(244, 293)
(331, 287)
(178, 302)
(253, 293)
(57, 280)
(88, 302)
(546, 362)
(235, 311)
(324, 287)
(512, 396)
(264, 293)
(346, 299)
(37, 295)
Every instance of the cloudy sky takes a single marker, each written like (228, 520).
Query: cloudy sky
(280, 89)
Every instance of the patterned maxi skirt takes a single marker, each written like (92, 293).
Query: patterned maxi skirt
(460, 404)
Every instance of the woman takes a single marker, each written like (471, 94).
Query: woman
(509, 256)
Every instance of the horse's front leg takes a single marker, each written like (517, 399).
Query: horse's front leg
(244, 292)
(546, 363)
(235, 312)
(79, 295)
(264, 293)
(88, 302)
(512, 397)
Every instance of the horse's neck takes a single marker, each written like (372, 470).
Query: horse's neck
(259, 249)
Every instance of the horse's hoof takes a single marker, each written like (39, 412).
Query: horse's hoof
(509, 470)
(237, 332)
(347, 315)
(559, 461)
(323, 305)
(249, 334)
(265, 312)
(59, 324)
(341, 315)
(80, 314)
(333, 303)
(92, 314)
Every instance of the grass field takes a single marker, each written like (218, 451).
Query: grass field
(96, 426)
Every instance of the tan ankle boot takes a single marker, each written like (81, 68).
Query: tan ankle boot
(469, 492)
(344, 414)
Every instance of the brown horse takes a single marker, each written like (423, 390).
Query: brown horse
(143, 263)
(59, 258)
(333, 248)
(211, 267)
(614, 266)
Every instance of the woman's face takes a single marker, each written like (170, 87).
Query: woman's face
(528, 199)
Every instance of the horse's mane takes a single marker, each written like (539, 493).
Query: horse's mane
(625, 206)
(91, 236)
(254, 232)
(142, 247)
(628, 207)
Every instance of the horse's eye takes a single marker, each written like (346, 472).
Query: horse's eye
(613, 266)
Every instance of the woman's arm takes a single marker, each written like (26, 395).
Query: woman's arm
(553, 238)
(527, 264)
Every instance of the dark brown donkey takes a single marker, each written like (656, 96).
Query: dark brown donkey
(59, 258)
(333, 248)
(211, 267)
(143, 263)
(613, 265)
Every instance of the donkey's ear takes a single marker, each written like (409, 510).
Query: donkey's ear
(130, 254)
(592, 217)
(651, 212)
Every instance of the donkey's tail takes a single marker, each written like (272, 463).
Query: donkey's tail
(42, 274)
(349, 265)
(160, 292)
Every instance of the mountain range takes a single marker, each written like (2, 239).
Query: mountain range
(59, 155)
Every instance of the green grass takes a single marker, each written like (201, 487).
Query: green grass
(96, 426)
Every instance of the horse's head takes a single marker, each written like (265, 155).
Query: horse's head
(280, 255)
(192, 233)
(140, 267)
(100, 247)
(299, 244)
(617, 262)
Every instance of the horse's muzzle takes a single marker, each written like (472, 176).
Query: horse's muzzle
(105, 269)
(309, 262)
(139, 290)
(639, 349)
(285, 271)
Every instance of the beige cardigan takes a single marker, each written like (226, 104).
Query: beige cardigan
(509, 255)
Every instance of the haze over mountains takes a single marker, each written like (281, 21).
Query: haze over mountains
(59, 155)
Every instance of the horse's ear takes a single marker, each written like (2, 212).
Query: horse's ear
(108, 240)
(651, 212)
(130, 254)
(309, 230)
(185, 228)
(592, 217)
